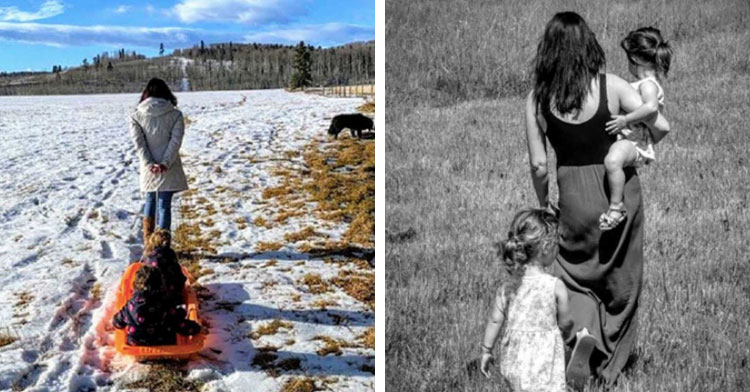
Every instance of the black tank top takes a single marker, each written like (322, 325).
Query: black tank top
(581, 144)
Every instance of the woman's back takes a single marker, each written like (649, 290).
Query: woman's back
(583, 142)
(157, 117)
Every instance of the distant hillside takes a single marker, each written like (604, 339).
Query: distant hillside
(224, 66)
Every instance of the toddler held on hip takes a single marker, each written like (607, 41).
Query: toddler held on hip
(649, 58)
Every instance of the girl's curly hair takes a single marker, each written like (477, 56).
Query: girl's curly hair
(531, 230)
(161, 238)
(646, 46)
(148, 278)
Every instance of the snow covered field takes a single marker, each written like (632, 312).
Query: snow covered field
(69, 211)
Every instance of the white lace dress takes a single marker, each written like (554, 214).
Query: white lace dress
(532, 356)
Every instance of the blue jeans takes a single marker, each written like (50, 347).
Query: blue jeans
(161, 209)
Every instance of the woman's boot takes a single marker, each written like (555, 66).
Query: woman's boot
(148, 228)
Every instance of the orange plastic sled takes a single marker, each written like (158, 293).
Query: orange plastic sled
(186, 345)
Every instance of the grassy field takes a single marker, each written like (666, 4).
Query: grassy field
(457, 171)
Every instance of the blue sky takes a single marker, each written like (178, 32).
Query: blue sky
(37, 34)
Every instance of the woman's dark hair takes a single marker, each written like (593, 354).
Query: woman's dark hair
(530, 232)
(148, 278)
(157, 88)
(646, 46)
(567, 58)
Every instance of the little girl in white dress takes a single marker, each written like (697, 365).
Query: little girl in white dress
(528, 308)
(649, 58)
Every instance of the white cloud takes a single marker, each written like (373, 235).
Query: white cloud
(48, 9)
(150, 8)
(122, 9)
(329, 34)
(176, 37)
(65, 35)
(239, 11)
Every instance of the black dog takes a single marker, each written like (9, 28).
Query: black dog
(355, 122)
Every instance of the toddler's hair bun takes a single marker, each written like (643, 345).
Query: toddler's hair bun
(514, 250)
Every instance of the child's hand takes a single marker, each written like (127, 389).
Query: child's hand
(487, 360)
(617, 124)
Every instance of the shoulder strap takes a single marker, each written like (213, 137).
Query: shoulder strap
(602, 90)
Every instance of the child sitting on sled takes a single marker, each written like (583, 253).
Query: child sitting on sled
(149, 319)
(159, 254)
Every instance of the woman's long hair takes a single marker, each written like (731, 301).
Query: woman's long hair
(567, 58)
(157, 88)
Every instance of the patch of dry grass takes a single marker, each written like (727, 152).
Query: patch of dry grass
(368, 338)
(331, 345)
(6, 339)
(285, 214)
(189, 238)
(270, 263)
(360, 285)
(300, 235)
(271, 328)
(323, 304)
(268, 284)
(340, 179)
(300, 384)
(263, 246)
(261, 222)
(322, 246)
(165, 378)
(241, 223)
(96, 291)
(315, 284)
(23, 298)
(367, 107)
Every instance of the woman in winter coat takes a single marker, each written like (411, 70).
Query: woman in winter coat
(157, 128)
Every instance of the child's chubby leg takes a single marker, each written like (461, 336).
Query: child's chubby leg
(621, 154)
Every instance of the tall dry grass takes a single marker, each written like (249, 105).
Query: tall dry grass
(457, 171)
(444, 51)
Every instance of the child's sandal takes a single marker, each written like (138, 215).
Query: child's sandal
(612, 218)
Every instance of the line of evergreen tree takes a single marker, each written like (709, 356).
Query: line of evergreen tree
(224, 66)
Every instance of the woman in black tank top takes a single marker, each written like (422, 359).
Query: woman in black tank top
(602, 271)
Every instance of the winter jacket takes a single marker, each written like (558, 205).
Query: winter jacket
(157, 128)
(148, 321)
(166, 261)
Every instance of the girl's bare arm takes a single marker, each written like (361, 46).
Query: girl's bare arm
(564, 321)
(494, 324)
(630, 100)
